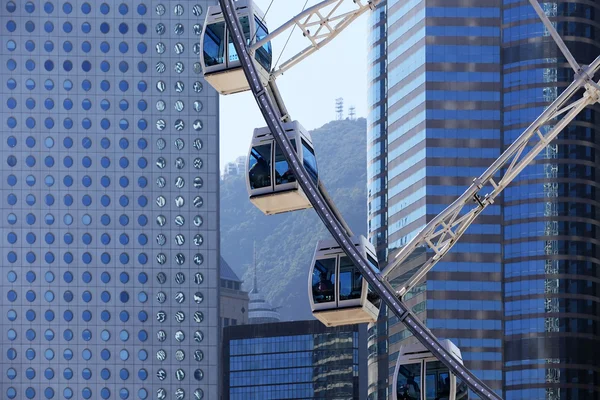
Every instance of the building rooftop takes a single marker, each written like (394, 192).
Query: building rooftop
(227, 272)
(260, 311)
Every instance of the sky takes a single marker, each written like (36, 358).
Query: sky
(309, 89)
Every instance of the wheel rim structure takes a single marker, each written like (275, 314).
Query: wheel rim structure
(333, 225)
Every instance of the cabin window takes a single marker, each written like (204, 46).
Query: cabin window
(214, 44)
(259, 166)
(350, 280)
(264, 54)
(409, 382)
(323, 279)
(372, 296)
(283, 172)
(233, 55)
(437, 381)
(373, 264)
(310, 161)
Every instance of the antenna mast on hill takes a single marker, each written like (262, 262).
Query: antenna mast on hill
(352, 113)
(339, 108)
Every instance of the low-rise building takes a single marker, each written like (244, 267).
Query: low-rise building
(234, 301)
(294, 360)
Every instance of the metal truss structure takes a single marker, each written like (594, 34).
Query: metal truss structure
(443, 231)
(320, 24)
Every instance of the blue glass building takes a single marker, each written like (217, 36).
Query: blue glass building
(550, 219)
(110, 202)
(294, 360)
(462, 80)
(377, 187)
(442, 128)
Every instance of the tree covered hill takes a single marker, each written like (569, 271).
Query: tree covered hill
(285, 243)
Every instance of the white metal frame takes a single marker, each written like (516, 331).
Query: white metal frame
(320, 24)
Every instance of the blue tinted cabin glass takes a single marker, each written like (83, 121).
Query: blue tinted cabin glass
(259, 166)
(310, 161)
(323, 281)
(264, 54)
(283, 173)
(214, 44)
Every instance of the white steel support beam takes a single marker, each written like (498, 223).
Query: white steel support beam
(320, 24)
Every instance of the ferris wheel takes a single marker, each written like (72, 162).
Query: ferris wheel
(346, 284)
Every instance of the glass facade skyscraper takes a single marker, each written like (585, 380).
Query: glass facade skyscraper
(550, 219)
(110, 202)
(377, 184)
(294, 360)
(462, 80)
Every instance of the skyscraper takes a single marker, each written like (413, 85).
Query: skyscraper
(110, 202)
(377, 187)
(462, 80)
(550, 214)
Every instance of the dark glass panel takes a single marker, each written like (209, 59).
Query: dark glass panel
(214, 44)
(323, 278)
(245, 22)
(283, 172)
(409, 379)
(351, 280)
(310, 161)
(259, 166)
(264, 54)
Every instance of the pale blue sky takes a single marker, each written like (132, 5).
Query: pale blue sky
(310, 88)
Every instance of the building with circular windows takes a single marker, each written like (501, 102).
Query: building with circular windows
(110, 152)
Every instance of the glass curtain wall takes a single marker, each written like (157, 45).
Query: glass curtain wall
(550, 218)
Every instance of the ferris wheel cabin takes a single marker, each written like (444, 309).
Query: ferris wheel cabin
(220, 63)
(338, 293)
(271, 183)
(420, 376)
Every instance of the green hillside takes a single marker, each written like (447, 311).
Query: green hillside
(285, 242)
